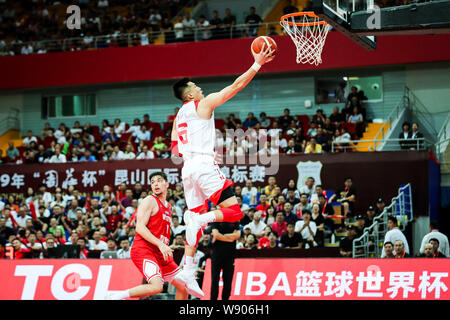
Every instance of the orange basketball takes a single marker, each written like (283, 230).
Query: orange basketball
(258, 43)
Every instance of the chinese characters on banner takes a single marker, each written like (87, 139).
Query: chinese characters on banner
(347, 279)
(93, 176)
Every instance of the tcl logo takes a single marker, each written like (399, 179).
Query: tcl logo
(66, 282)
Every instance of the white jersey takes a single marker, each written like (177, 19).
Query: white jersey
(196, 136)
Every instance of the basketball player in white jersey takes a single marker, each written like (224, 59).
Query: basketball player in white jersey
(193, 138)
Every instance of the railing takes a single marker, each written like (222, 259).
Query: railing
(373, 145)
(138, 39)
(10, 121)
(393, 115)
(371, 241)
(419, 110)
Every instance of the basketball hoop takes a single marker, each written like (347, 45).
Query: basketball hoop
(308, 33)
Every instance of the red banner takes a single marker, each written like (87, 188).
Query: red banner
(337, 279)
(206, 59)
(68, 279)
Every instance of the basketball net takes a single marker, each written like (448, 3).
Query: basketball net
(308, 34)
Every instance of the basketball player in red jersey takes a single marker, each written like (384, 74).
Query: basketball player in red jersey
(150, 251)
(193, 138)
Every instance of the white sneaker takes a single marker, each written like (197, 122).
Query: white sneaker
(187, 278)
(192, 227)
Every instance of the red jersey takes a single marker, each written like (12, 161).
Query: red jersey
(159, 226)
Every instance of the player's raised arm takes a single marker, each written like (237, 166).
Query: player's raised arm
(207, 105)
(147, 207)
(174, 138)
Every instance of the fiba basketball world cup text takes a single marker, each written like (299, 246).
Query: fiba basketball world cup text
(246, 147)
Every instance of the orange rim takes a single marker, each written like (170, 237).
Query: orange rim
(310, 14)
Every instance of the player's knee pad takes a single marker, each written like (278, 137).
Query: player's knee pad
(232, 213)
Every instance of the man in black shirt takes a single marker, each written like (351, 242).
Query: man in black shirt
(224, 236)
(253, 20)
(229, 21)
(291, 239)
(360, 225)
(289, 8)
(346, 244)
(216, 25)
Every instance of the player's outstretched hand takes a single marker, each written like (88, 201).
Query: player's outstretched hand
(166, 251)
(264, 56)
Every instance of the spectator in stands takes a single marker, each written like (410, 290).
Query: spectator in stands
(160, 148)
(229, 21)
(179, 29)
(264, 121)
(405, 135)
(347, 197)
(249, 193)
(292, 147)
(285, 119)
(111, 247)
(313, 146)
(257, 226)
(176, 227)
(388, 250)
(12, 153)
(380, 204)
(394, 234)
(178, 242)
(346, 244)
(216, 24)
(370, 216)
(360, 225)
(322, 139)
(250, 121)
(307, 230)
(279, 226)
(87, 157)
(353, 100)
(188, 25)
(291, 239)
(167, 29)
(29, 138)
(399, 248)
(83, 250)
(155, 19)
(319, 220)
(145, 153)
(128, 154)
(435, 234)
(253, 21)
(205, 29)
(20, 250)
(57, 157)
(357, 118)
(290, 217)
(427, 251)
(435, 243)
(308, 188)
(289, 8)
(96, 243)
(415, 136)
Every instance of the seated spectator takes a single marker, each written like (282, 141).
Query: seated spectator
(176, 227)
(393, 235)
(250, 121)
(20, 250)
(112, 247)
(353, 100)
(291, 197)
(250, 241)
(83, 250)
(160, 148)
(29, 138)
(308, 188)
(322, 139)
(428, 251)
(264, 121)
(58, 157)
(336, 117)
(263, 242)
(142, 134)
(125, 248)
(292, 147)
(289, 217)
(416, 135)
(96, 243)
(302, 205)
(178, 242)
(404, 136)
(346, 244)
(274, 131)
(435, 243)
(360, 225)
(279, 226)
(257, 226)
(389, 250)
(357, 118)
(11, 153)
(129, 154)
(249, 193)
(399, 249)
(270, 188)
(442, 239)
(307, 230)
(313, 147)
(312, 131)
(291, 239)
(145, 153)
(87, 157)
(347, 197)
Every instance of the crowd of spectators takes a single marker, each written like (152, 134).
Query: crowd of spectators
(144, 139)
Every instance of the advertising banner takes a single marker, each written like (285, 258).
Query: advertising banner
(337, 279)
